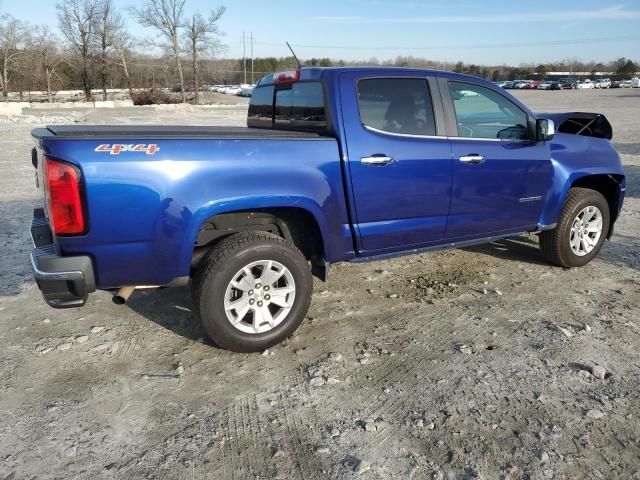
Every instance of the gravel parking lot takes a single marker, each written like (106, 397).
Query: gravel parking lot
(483, 362)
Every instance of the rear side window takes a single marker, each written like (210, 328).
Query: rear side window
(298, 106)
(261, 107)
(484, 113)
(396, 105)
(301, 106)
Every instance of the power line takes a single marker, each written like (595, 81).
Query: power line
(574, 41)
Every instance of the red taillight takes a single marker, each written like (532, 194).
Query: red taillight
(62, 183)
(286, 76)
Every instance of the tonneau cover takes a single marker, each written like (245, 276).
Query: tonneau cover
(154, 131)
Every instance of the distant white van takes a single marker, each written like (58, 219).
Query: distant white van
(635, 82)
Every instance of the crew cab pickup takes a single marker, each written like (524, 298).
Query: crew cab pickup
(336, 164)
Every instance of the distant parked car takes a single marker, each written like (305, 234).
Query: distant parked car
(508, 85)
(616, 84)
(635, 82)
(550, 86)
(585, 85)
(246, 92)
(230, 89)
(568, 83)
(534, 85)
(602, 83)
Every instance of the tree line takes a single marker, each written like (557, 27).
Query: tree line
(98, 52)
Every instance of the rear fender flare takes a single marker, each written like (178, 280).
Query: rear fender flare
(231, 205)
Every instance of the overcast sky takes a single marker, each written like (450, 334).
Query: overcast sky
(483, 31)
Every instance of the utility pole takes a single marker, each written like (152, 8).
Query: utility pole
(251, 58)
(244, 57)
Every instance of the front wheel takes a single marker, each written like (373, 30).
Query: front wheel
(252, 291)
(581, 230)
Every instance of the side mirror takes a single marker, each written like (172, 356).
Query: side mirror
(545, 129)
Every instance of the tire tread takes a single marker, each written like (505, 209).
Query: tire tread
(552, 241)
(223, 250)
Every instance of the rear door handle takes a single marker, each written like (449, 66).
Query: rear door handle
(377, 160)
(473, 159)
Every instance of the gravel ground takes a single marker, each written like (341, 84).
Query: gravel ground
(482, 362)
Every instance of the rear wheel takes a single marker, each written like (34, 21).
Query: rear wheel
(252, 291)
(581, 230)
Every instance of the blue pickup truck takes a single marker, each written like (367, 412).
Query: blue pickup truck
(336, 164)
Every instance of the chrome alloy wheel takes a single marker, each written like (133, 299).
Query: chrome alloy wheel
(586, 231)
(259, 296)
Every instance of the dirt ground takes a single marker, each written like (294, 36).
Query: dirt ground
(461, 364)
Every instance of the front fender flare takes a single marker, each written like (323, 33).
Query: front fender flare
(561, 184)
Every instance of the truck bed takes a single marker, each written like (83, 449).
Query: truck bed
(68, 132)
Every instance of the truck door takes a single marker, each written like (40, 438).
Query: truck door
(399, 162)
(500, 175)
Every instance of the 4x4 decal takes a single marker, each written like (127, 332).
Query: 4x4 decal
(118, 148)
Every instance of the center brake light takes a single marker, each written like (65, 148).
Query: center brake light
(64, 199)
(287, 76)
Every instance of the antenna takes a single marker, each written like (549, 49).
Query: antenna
(294, 55)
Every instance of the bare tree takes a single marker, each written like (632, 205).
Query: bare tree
(122, 45)
(573, 64)
(12, 39)
(201, 36)
(76, 19)
(166, 16)
(108, 26)
(49, 57)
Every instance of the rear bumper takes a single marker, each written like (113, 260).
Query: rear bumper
(64, 281)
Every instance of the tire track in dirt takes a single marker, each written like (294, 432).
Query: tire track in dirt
(388, 407)
(399, 368)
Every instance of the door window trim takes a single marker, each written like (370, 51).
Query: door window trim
(436, 106)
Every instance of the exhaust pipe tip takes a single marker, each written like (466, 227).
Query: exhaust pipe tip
(118, 300)
(122, 295)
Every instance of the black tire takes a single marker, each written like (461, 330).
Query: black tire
(228, 257)
(554, 244)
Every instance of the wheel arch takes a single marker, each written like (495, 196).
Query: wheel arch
(301, 224)
(610, 185)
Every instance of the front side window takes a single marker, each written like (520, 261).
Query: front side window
(396, 105)
(484, 113)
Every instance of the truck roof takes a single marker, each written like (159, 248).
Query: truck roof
(321, 73)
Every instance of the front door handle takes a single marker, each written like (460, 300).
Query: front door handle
(473, 159)
(377, 160)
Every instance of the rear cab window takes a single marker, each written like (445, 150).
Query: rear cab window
(396, 105)
(296, 106)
